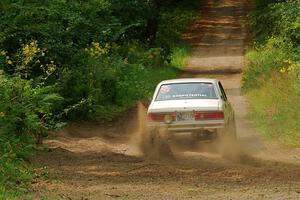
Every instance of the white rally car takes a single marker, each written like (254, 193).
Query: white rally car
(194, 105)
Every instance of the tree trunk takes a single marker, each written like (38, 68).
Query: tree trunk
(153, 20)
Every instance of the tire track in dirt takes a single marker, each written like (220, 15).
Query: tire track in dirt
(96, 161)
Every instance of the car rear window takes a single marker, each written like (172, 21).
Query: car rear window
(178, 91)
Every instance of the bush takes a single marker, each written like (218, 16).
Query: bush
(276, 18)
(271, 78)
(275, 109)
(275, 24)
(180, 55)
(174, 20)
(26, 110)
(265, 59)
(113, 81)
(94, 51)
(76, 60)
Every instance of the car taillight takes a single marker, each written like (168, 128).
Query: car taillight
(161, 117)
(209, 115)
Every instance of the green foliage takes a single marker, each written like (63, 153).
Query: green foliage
(113, 82)
(23, 105)
(14, 174)
(66, 27)
(275, 24)
(274, 108)
(25, 110)
(73, 60)
(271, 78)
(180, 55)
(265, 59)
(55, 39)
(277, 18)
(174, 20)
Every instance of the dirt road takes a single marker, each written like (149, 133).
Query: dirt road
(100, 161)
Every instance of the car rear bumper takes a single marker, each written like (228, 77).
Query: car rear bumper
(189, 126)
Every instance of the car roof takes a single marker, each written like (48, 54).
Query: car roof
(189, 80)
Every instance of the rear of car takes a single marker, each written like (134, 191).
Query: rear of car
(187, 105)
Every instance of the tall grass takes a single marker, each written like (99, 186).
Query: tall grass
(275, 108)
(271, 82)
(180, 55)
(272, 79)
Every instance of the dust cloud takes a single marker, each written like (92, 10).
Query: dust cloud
(138, 129)
(149, 142)
(153, 143)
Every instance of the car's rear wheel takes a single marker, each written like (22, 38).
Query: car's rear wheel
(227, 140)
(154, 145)
(231, 132)
(228, 132)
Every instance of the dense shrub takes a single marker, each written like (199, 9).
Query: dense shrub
(276, 29)
(271, 77)
(26, 110)
(64, 60)
(276, 18)
(114, 82)
(66, 33)
(264, 59)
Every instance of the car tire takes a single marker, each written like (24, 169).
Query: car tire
(227, 141)
(231, 132)
(155, 146)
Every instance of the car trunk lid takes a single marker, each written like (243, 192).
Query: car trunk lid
(185, 105)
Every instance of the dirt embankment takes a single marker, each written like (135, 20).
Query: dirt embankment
(103, 161)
